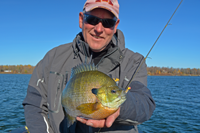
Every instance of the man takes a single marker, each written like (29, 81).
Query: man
(101, 41)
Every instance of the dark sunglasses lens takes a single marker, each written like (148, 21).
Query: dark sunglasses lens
(108, 23)
(92, 20)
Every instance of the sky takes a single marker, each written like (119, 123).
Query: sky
(30, 28)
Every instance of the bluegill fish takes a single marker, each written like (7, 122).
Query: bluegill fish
(90, 94)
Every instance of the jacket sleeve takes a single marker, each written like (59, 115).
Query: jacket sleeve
(35, 102)
(139, 104)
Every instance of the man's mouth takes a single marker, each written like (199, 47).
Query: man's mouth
(97, 37)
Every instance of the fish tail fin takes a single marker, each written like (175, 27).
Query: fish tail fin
(70, 119)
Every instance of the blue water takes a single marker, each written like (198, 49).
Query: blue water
(177, 103)
(12, 92)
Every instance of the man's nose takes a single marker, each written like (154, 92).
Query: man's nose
(99, 27)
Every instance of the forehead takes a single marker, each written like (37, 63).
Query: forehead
(102, 13)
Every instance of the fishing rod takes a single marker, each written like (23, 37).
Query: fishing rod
(139, 66)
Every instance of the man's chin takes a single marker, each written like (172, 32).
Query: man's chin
(97, 49)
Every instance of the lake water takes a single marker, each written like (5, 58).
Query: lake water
(177, 103)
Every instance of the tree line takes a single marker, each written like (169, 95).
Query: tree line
(16, 69)
(165, 71)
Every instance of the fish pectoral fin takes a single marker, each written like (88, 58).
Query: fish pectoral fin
(89, 108)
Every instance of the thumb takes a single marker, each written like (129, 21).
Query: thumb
(111, 118)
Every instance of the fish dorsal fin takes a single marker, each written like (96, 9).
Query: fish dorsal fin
(83, 68)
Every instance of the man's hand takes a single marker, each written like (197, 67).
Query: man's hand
(100, 123)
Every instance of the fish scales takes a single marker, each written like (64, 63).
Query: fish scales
(82, 88)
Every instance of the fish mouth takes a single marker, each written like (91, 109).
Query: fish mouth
(120, 99)
(122, 96)
(116, 102)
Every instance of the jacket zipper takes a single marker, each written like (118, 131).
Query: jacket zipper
(106, 55)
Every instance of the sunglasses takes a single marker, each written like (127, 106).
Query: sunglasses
(93, 20)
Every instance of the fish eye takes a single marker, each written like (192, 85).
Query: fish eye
(113, 91)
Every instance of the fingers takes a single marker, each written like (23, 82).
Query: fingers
(92, 123)
(111, 118)
(81, 120)
(100, 123)
(96, 123)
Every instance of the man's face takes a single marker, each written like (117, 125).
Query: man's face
(97, 36)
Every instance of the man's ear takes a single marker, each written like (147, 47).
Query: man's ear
(117, 23)
(81, 20)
